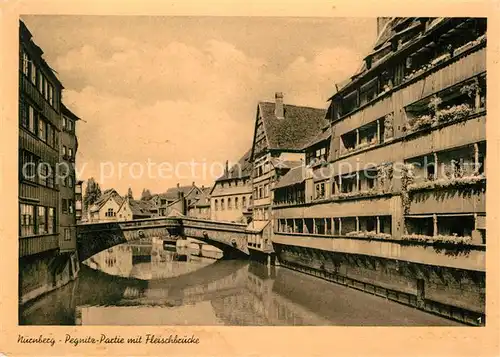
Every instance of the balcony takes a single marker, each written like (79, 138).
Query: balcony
(37, 244)
(470, 63)
(47, 110)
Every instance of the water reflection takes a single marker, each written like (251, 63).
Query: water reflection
(134, 284)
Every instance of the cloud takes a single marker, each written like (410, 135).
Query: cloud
(178, 102)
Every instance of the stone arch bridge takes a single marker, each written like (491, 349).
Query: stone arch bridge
(229, 237)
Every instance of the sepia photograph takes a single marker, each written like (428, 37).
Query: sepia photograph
(251, 171)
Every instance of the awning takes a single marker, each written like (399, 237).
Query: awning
(257, 226)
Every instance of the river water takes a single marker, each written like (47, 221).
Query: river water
(136, 284)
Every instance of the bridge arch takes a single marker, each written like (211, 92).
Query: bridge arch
(231, 238)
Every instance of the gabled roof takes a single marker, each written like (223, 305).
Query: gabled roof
(239, 170)
(173, 192)
(325, 134)
(203, 201)
(206, 190)
(140, 208)
(106, 195)
(295, 130)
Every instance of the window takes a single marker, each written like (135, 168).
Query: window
(64, 122)
(27, 220)
(40, 81)
(43, 172)
(64, 151)
(110, 213)
(67, 235)
(222, 204)
(42, 130)
(216, 205)
(31, 119)
(28, 166)
(71, 207)
(51, 94)
(320, 190)
(70, 125)
(244, 201)
(33, 73)
(42, 220)
(236, 203)
(51, 222)
(46, 89)
(64, 205)
(260, 192)
(229, 206)
(25, 63)
(55, 138)
(266, 190)
(50, 177)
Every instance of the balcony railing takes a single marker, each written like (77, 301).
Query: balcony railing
(37, 244)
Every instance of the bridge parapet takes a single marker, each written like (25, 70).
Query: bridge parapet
(228, 236)
(217, 233)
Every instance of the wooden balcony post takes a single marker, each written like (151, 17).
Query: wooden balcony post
(378, 224)
(315, 231)
(294, 226)
(326, 225)
(304, 226)
(435, 221)
(435, 166)
(340, 226)
(476, 157)
(357, 137)
(357, 224)
(333, 226)
(378, 131)
(358, 188)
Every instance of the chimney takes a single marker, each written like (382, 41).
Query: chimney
(193, 183)
(279, 111)
(178, 185)
(226, 170)
(202, 187)
(381, 21)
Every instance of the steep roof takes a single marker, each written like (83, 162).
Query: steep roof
(173, 192)
(325, 134)
(106, 195)
(294, 176)
(240, 169)
(140, 208)
(203, 201)
(296, 129)
(394, 29)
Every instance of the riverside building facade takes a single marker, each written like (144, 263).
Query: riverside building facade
(399, 202)
(44, 263)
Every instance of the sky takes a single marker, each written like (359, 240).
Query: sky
(177, 96)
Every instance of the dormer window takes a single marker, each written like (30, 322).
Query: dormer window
(368, 61)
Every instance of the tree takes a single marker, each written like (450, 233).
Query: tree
(146, 195)
(130, 194)
(92, 193)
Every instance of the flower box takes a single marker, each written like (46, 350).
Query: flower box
(369, 235)
(447, 183)
(444, 239)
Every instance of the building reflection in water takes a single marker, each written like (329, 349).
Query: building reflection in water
(175, 286)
